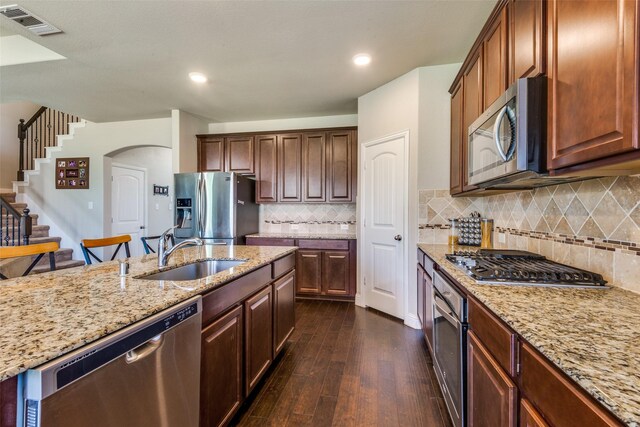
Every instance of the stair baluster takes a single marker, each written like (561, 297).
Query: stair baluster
(15, 227)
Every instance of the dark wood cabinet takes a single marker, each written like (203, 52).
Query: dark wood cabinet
(593, 80)
(527, 39)
(420, 295)
(284, 319)
(457, 140)
(529, 417)
(222, 154)
(239, 154)
(258, 336)
(341, 166)
(290, 168)
(313, 167)
(309, 269)
(561, 402)
(427, 325)
(335, 273)
(471, 109)
(210, 154)
(491, 394)
(494, 58)
(8, 402)
(221, 389)
(266, 161)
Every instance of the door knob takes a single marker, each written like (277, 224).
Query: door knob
(397, 237)
(142, 227)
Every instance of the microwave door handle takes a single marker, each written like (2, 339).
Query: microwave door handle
(508, 112)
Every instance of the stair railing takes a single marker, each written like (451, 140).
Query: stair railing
(15, 227)
(38, 133)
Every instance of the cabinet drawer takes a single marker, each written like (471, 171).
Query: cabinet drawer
(560, 401)
(428, 266)
(284, 264)
(324, 244)
(499, 339)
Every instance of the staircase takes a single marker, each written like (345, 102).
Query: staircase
(39, 234)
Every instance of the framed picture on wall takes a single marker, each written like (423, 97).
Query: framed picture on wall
(72, 173)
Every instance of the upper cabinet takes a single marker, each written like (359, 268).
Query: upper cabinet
(225, 154)
(593, 80)
(527, 42)
(312, 166)
(457, 139)
(494, 49)
(471, 108)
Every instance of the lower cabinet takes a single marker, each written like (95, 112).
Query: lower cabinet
(491, 394)
(258, 336)
(221, 390)
(284, 317)
(246, 324)
(324, 268)
(529, 417)
(425, 299)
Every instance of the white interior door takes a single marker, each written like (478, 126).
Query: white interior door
(384, 223)
(128, 207)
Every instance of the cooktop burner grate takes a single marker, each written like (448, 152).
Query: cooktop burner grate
(521, 268)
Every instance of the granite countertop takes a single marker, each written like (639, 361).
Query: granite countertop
(591, 335)
(47, 315)
(345, 236)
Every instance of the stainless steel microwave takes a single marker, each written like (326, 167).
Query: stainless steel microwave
(507, 143)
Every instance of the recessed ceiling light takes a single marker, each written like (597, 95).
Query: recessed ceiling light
(362, 59)
(198, 77)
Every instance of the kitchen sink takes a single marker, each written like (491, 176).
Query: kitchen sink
(193, 271)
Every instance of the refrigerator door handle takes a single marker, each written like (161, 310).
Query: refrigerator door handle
(200, 201)
(203, 215)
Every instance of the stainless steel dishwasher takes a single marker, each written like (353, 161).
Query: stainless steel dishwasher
(147, 374)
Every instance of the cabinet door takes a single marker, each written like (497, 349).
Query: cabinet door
(210, 154)
(559, 398)
(313, 167)
(340, 166)
(309, 272)
(472, 108)
(491, 395)
(266, 168)
(335, 273)
(289, 168)
(221, 369)
(258, 337)
(527, 40)
(455, 178)
(420, 296)
(284, 318)
(427, 325)
(593, 80)
(239, 153)
(495, 60)
(529, 417)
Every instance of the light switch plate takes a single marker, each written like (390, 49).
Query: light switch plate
(295, 226)
(344, 226)
(90, 205)
(502, 238)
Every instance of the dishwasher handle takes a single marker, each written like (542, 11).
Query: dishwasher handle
(145, 349)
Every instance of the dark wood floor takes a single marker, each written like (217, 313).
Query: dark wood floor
(347, 366)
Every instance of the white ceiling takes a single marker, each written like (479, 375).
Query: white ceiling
(271, 59)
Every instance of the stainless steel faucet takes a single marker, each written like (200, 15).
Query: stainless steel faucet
(164, 251)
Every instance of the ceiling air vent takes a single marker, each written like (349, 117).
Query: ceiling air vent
(28, 20)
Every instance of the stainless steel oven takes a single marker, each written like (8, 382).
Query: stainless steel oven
(449, 343)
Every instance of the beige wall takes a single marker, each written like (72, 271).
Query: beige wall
(10, 115)
(283, 124)
(184, 128)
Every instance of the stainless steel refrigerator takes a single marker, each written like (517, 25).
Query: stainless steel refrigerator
(218, 207)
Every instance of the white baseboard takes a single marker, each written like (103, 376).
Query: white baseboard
(360, 300)
(411, 320)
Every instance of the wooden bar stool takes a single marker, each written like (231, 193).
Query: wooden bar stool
(39, 249)
(87, 244)
(147, 247)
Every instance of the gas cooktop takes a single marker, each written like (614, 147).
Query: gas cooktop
(510, 267)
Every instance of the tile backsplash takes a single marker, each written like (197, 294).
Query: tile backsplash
(322, 218)
(593, 224)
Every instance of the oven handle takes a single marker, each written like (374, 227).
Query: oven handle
(496, 133)
(445, 311)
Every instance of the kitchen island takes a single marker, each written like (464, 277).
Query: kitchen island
(592, 336)
(50, 314)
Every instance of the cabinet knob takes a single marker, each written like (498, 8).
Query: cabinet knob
(397, 237)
